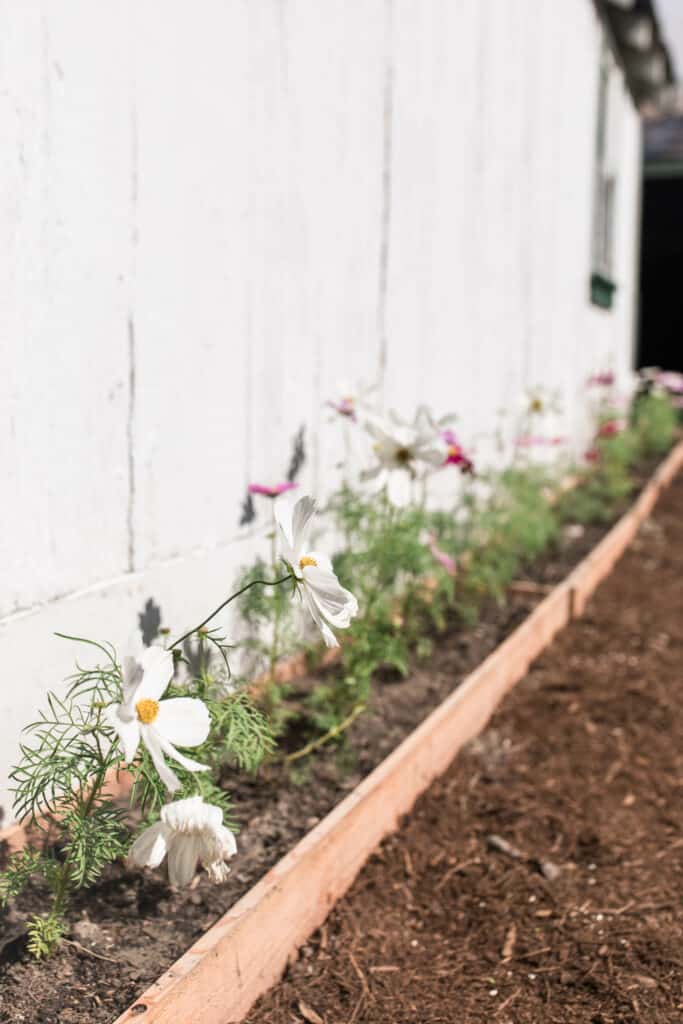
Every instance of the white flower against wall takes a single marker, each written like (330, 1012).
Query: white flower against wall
(328, 602)
(404, 450)
(351, 400)
(158, 723)
(189, 832)
(541, 401)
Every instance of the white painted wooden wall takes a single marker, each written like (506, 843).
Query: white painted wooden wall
(211, 213)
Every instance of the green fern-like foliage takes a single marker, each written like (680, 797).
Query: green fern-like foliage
(44, 934)
(58, 784)
(92, 840)
(21, 866)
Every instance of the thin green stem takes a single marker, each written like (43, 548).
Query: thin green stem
(275, 645)
(248, 586)
(61, 890)
(331, 734)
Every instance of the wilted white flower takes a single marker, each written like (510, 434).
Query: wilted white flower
(189, 832)
(402, 450)
(158, 723)
(329, 603)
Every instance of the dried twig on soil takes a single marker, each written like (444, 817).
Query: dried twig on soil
(309, 1014)
(90, 952)
(363, 979)
(546, 867)
(506, 1002)
(510, 942)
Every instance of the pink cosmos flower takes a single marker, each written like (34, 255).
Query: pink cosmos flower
(605, 379)
(455, 455)
(345, 407)
(441, 557)
(671, 381)
(273, 492)
(610, 428)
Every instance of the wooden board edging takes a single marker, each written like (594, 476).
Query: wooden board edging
(240, 957)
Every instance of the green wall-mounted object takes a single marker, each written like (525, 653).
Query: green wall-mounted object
(602, 290)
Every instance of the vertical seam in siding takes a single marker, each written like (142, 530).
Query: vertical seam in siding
(387, 153)
(130, 422)
(130, 441)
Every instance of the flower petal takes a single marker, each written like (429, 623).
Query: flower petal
(191, 811)
(157, 665)
(398, 488)
(302, 520)
(128, 732)
(283, 517)
(337, 604)
(328, 636)
(149, 849)
(131, 677)
(183, 854)
(322, 561)
(214, 817)
(372, 473)
(431, 454)
(168, 748)
(227, 841)
(183, 720)
(153, 744)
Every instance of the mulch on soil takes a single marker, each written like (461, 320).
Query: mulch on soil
(542, 878)
(131, 926)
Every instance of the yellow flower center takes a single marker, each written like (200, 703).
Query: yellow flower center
(307, 560)
(147, 711)
(455, 451)
(536, 405)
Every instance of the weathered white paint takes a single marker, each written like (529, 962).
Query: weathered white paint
(212, 215)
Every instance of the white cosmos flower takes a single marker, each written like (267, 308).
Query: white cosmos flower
(158, 723)
(189, 832)
(402, 450)
(322, 593)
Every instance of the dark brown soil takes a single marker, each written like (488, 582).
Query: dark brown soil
(130, 927)
(541, 880)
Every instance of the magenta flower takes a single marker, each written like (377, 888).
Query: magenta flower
(592, 455)
(455, 455)
(272, 492)
(602, 380)
(610, 428)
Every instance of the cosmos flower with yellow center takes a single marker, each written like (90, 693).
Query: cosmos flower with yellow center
(160, 724)
(328, 602)
(403, 451)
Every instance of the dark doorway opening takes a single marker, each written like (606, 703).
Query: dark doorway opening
(660, 336)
